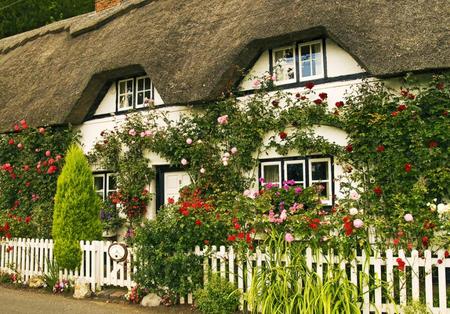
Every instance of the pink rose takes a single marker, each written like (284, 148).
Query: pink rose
(358, 223)
(408, 217)
(41, 130)
(223, 119)
(189, 141)
(48, 153)
(132, 132)
(234, 150)
(289, 237)
(184, 162)
(202, 170)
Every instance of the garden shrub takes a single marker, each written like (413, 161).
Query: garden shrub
(219, 296)
(30, 161)
(77, 209)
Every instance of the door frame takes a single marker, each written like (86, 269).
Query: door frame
(160, 181)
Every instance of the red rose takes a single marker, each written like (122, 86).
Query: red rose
(231, 237)
(323, 96)
(11, 141)
(237, 226)
(401, 107)
(275, 102)
(309, 85)
(411, 96)
(248, 238)
(16, 128)
(425, 241)
(349, 148)
(282, 135)
(241, 235)
(206, 242)
(198, 222)
(433, 144)
(440, 85)
(439, 261)
(298, 95)
(24, 124)
(396, 241)
(380, 148)
(378, 191)
(318, 101)
(185, 212)
(313, 226)
(27, 219)
(394, 113)
(401, 264)
(52, 169)
(26, 168)
(410, 246)
(170, 200)
(445, 113)
(446, 254)
(408, 167)
(339, 104)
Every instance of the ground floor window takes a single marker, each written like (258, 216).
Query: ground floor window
(105, 184)
(305, 171)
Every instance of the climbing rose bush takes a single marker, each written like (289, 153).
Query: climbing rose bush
(30, 161)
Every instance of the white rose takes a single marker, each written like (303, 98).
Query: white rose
(433, 207)
(353, 211)
(442, 208)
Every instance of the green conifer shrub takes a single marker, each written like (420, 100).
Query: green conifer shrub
(77, 207)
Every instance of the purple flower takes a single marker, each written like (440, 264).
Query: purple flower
(298, 190)
(261, 180)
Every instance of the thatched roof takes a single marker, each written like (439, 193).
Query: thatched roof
(190, 48)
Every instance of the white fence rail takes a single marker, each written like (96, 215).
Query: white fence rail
(32, 256)
(427, 276)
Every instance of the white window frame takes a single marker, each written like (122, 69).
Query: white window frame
(107, 187)
(322, 69)
(295, 65)
(329, 199)
(119, 95)
(143, 91)
(295, 162)
(271, 163)
(103, 188)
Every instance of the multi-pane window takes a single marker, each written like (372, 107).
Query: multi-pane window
(125, 94)
(306, 171)
(298, 63)
(134, 93)
(105, 184)
(311, 64)
(284, 65)
(143, 91)
(320, 176)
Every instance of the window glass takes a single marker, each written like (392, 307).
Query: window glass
(143, 90)
(295, 172)
(284, 64)
(271, 173)
(311, 60)
(125, 94)
(319, 170)
(99, 185)
(112, 184)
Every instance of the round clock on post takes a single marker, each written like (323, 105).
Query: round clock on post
(118, 252)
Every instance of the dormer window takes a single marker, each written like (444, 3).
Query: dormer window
(298, 63)
(134, 93)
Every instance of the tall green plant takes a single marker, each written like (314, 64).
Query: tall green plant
(77, 208)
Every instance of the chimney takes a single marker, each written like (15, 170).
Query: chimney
(101, 5)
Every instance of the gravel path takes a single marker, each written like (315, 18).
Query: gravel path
(16, 301)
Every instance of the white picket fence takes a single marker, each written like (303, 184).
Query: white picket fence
(31, 256)
(426, 276)
(422, 276)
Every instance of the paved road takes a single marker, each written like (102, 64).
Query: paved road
(14, 301)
